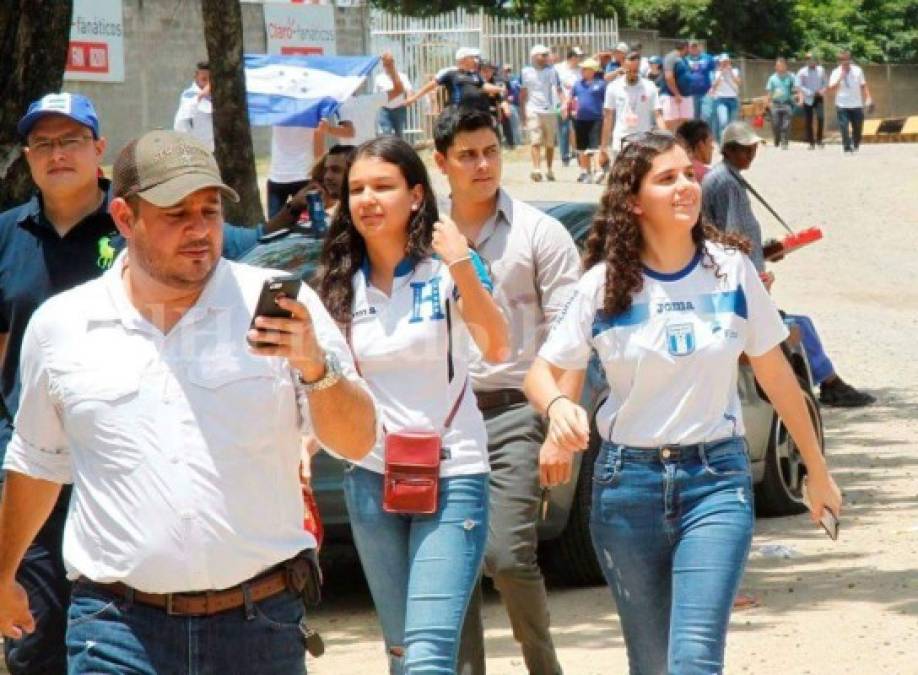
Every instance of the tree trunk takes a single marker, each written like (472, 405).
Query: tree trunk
(34, 35)
(232, 132)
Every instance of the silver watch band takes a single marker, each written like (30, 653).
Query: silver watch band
(329, 379)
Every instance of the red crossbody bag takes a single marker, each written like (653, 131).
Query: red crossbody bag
(411, 483)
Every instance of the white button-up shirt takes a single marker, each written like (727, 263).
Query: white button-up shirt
(810, 81)
(534, 266)
(183, 448)
(848, 94)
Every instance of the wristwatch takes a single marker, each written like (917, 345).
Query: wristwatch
(329, 379)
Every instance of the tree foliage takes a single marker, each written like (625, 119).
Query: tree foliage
(874, 30)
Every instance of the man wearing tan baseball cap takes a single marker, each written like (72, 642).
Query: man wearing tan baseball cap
(185, 533)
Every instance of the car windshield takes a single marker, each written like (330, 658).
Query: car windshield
(294, 253)
(298, 254)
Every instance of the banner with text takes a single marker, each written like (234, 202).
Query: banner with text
(300, 30)
(96, 50)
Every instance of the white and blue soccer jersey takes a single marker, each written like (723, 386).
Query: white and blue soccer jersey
(402, 344)
(671, 358)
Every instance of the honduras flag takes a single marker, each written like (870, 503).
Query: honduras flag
(298, 91)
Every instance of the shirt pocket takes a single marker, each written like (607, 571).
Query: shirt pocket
(239, 404)
(100, 408)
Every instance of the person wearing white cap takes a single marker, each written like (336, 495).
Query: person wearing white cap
(615, 67)
(540, 99)
(464, 84)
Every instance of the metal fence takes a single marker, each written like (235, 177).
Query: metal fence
(424, 46)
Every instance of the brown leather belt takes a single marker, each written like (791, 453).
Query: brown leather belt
(500, 398)
(206, 603)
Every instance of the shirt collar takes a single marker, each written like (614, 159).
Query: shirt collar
(119, 308)
(404, 268)
(502, 214)
(34, 215)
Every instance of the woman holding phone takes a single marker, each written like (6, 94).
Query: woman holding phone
(670, 304)
(412, 298)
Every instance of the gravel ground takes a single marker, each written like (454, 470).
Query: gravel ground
(845, 607)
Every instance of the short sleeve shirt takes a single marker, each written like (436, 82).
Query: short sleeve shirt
(590, 95)
(541, 86)
(413, 349)
(848, 94)
(780, 87)
(635, 106)
(671, 358)
(463, 88)
(675, 64)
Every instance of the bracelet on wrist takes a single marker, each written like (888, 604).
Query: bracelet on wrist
(552, 402)
(458, 260)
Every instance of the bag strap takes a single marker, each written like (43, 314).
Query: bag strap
(453, 411)
(761, 199)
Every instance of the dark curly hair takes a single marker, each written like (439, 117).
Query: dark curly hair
(344, 249)
(616, 237)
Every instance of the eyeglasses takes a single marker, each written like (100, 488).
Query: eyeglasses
(68, 145)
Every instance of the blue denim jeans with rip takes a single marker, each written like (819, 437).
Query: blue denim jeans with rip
(421, 569)
(672, 529)
(107, 635)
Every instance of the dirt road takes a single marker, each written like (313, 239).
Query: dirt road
(831, 608)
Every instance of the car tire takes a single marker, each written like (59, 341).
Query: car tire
(570, 559)
(779, 492)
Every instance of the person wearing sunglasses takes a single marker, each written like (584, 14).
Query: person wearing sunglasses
(669, 304)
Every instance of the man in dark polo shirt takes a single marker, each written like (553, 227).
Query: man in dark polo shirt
(62, 237)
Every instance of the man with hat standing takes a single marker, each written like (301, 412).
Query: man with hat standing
(725, 204)
(62, 237)
(615, 67)
(180, 427)
(540, 99)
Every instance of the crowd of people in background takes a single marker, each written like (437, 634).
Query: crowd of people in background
(151, 247)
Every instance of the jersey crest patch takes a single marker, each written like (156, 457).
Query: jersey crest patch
(680, 339)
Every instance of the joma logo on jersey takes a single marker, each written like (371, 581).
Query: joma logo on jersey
(432, 297)
(678, 306)
(680, 339)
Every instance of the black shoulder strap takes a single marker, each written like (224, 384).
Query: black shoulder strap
(761, 199)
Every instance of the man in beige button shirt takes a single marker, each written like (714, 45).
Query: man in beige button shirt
(534, 264)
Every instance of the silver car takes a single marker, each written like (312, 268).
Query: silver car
(566, 550)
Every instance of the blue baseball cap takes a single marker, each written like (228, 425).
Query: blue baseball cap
(75, 106)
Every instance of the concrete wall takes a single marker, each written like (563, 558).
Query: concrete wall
(894, 87)
(163, 40)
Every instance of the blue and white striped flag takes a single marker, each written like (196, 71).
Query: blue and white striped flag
(298, 91)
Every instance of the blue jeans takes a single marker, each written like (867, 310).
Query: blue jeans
(392, 121)
(725, 111)
(672, 529)
(44, 578)
(109, 636)
(564, 137)
(820, 364)
(851, 139)
(421, 569)
(781, 114)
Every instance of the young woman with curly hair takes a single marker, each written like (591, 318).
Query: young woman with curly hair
(670, 304)
(411, 297)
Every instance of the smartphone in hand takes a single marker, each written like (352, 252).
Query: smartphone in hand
(829, 520)
(287, 286)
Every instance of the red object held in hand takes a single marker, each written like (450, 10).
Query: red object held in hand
(312, 521)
